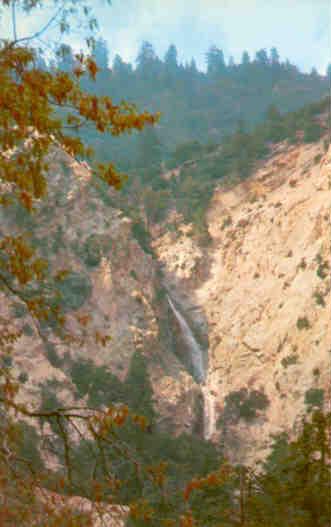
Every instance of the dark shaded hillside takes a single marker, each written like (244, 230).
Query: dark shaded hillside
(194, 170)
(196, 105)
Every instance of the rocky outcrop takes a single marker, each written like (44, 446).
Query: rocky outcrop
(111, 290)
(266, 300)
(98, 514)
(257, 299)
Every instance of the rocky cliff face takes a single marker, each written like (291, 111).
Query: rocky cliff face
(112, 289)
(263, 299)
(257, 300)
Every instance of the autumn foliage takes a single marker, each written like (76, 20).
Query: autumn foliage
(39, 111)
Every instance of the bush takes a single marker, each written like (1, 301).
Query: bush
(92, 251)
(319, 298)
(227, 222)
(314, 397)
(82, 376)
(312, 132)
(98, 382)
(29, 445)
(19, 310)
(28, 330)
(50, 402)
(6, 361)
(133, 274)
(58, 240)
(186, 151)
(290, 359)
(160, 295)
(242, 404)
(75, 289)
(142, 236)
(22, 217)
(303, 323)
(323, 270)
(138, 387)
(52, 355)
(23, 377)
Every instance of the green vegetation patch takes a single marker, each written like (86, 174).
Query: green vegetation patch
(314, 397)
(75, 289)
(289, 360)
(243, 404)
(303, 323)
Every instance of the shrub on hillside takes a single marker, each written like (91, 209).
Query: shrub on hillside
(314, 397)
(243, 404)
(92, 251)
(75, 289)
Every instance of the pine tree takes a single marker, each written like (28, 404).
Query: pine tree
(66, 61)
(100, 53)
(193, 67)
(149, 155)
(274, 57)
(240, 145)
(215, 61)
(231, 62)
(312, 130)
(245, 60)
(294, 484)
(261, 57)
(314, 73)
(139, 388)
(274, 124)
(170, 59)
(120, 68)
(148, 64)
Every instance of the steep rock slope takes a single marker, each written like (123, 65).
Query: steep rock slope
(264, 297)
(111, 290)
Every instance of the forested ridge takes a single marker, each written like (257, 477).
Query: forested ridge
(195, 105)
(224, 119)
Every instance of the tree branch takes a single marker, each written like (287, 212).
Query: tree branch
(41, 31)
(13, 16)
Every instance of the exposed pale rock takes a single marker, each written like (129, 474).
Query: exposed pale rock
(101, 514)
(122, 300)
(263, 278)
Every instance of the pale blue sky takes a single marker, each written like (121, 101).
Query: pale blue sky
(300, 29)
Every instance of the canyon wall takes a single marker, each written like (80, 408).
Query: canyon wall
(112, 289)
(256, 301)
(264, 299)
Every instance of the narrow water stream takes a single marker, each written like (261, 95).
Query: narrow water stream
(193, 345)
(209, 414)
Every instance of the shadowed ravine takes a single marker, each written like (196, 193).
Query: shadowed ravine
(199, 372)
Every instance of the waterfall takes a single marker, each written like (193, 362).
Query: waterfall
(209, 399)
(195, 348)
(209, 412)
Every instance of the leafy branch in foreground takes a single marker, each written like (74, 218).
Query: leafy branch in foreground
(38, 109)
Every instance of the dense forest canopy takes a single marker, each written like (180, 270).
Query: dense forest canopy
(243, 107)
(196, 105)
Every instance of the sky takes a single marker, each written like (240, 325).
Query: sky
(299, 29)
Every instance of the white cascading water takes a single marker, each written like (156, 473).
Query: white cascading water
(196, 351)
(209, 413)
